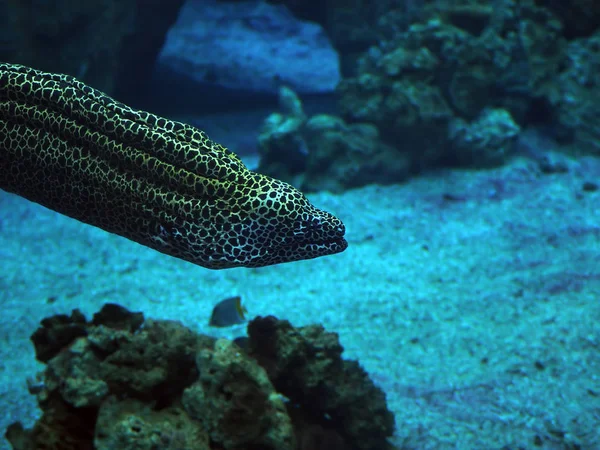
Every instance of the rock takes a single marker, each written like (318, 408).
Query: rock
(235, 401)
(140, 368)
(157, 385)
(323, 152)
(352, 25)
(305, 364)
(421, 85)
(60, 427)
(249, 46)
(487, 141)
(343, 156)
(122, 362)
(281, 145)
(580, 18)
(577, 99)
(56, 333)
(115, 316)
(129, 424)
(73, 374)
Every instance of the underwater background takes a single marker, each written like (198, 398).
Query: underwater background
(458, 141)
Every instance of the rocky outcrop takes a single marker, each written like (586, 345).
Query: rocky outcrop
(119, 381)
(249, 46)
(324, 152)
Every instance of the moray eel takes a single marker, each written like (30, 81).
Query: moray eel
(158, 182)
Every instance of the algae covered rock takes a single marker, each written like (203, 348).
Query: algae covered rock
(306, 366)
(323, 152)
(342, 156)
(61, 427)
(580, 18)
(427, 75)
(281, 144)
(128, 424)
(458, 60)
(122, 382)
(57, 332)
(236, 402)
(115, 361)
(487, 141)
(577, 101)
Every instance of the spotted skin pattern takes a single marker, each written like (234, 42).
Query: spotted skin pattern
(158, 182)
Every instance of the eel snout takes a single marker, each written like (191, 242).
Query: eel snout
(276, 223)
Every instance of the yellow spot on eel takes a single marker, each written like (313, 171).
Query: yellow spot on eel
(158, 182)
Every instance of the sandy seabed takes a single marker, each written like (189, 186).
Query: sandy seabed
(471, 298)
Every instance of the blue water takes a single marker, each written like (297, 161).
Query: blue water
(471, 297)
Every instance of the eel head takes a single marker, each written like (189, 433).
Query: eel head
(262, 222)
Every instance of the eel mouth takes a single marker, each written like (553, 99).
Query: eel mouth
(339, 244)
(322, 247)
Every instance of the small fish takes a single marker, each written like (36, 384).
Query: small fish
(228, 312)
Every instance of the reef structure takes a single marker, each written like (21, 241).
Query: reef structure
(122, 381)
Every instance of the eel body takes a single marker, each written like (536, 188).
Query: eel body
(158, 182)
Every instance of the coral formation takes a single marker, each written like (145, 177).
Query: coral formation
(281, 144)
(119, 381)
(323, 151)
(306, 366)
(453, 83)
(580, 18)
(485, 141)
(235, 401)
(460, 60)
(576, 103)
